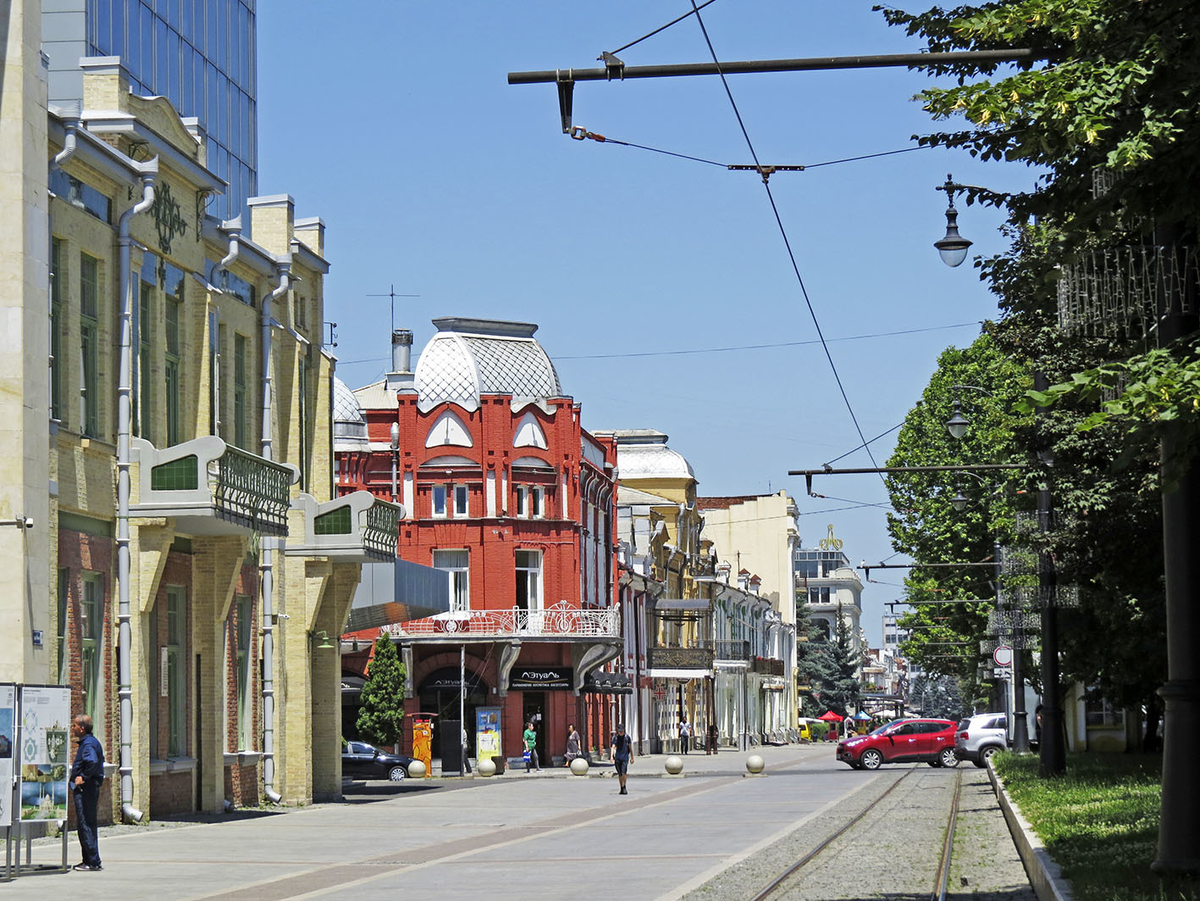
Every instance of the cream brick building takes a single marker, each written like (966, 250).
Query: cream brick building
(186, 558)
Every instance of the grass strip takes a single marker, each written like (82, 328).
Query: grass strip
(1099, 822)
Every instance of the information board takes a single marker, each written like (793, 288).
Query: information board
(487, 733)
(8, 736)
(45, 743)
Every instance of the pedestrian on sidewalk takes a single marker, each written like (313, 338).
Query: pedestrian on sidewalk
(532, 763)
(87, 775)
(685, 733)
(713, 737)
(622, 755)
(573, 741)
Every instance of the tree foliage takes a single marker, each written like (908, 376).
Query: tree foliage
(381, 717)
(1109, 117)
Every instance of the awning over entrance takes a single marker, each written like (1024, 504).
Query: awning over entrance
(608, 683)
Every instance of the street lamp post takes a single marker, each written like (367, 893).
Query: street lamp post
(1051, 750)
(957, 426)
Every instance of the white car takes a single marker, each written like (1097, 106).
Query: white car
(979, 737)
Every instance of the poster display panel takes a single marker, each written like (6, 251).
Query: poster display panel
(8, 736)
(45, 743)
(487, 733)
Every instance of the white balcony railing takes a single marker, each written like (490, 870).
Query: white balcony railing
(560, 620)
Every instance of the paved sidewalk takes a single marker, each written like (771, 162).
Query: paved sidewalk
(523, 837)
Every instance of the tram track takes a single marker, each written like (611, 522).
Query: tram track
(787, 882)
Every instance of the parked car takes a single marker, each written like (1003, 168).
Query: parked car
(978, 737)
(901, 741)
(363, 761)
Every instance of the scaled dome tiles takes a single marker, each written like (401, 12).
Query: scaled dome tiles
(461, 363)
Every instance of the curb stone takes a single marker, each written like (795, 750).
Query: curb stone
(1044, 874)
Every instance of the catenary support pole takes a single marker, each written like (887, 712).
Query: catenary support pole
(1179, 822)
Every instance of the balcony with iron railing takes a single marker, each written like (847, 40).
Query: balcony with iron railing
(768, 666)
(697, 655)
(212, 488)
(355, 527)
(731, 649)
(560, 622)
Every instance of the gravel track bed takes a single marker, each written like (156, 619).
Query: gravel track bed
(893, 852)
(746, 878)
(984, 853)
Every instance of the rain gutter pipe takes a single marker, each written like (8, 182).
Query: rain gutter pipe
(266, 549)
(233, 227)
(148, 175)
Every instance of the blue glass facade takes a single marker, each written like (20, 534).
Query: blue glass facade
(201, 55)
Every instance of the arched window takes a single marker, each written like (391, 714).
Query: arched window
(448, 429)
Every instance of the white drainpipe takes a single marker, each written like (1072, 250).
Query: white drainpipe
(266, 547)
(149, 174)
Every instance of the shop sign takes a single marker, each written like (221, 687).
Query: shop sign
(541, 678)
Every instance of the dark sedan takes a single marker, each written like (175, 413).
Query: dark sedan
(363, 761)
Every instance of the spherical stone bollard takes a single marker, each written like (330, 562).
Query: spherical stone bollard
(674, 765)
(755, 764)
(486, 767)
(416, 769)
(579, 767)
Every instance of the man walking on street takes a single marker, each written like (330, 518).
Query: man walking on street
(622, 754)
(685, 733)
(87, 775)
(531, 754)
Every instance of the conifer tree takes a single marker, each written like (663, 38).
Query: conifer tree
(381, 717)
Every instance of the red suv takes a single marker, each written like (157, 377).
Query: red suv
(901, 741)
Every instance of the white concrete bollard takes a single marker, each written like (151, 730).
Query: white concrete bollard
(674, 765)
(486, 767)
(755, 764)
(579, 767)
(416, 769)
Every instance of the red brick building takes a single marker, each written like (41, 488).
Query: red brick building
(508, 494)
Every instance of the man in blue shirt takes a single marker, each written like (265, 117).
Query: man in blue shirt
(622, 754)
(87, 775)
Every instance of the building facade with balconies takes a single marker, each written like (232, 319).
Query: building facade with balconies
(829, 587)
(190, 545)
(513, 500)
(760, 534)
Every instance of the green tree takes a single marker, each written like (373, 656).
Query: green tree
(1110, 121)
(836, 669)
(381, 717)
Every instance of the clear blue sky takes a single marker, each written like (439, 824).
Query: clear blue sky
(393, 122)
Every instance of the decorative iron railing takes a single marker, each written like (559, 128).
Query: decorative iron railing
(731, 649)
(702, 566)
(251, 491)
(382, 529)
(559, 620)
(700, 656)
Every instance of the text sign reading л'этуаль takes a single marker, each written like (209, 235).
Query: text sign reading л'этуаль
(540, 678)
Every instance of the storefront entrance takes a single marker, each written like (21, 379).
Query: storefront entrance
(439, 693)
(533, 710)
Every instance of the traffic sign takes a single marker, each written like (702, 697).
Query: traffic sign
(1003, 655)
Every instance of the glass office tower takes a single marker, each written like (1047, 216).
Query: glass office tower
(199, 54)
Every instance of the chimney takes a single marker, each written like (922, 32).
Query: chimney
(401, 375)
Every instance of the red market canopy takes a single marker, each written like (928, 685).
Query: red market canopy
(830, 717)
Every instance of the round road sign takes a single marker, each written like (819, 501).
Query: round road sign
(1002, 656)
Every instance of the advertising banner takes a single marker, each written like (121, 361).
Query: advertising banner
(45, 745)
(487, 733)
(8, 735)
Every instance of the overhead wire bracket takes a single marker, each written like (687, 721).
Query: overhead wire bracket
(566, 90)
(612, 66)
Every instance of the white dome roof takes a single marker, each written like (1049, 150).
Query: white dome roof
(468, 358)
(349, 426)
(643, 454)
